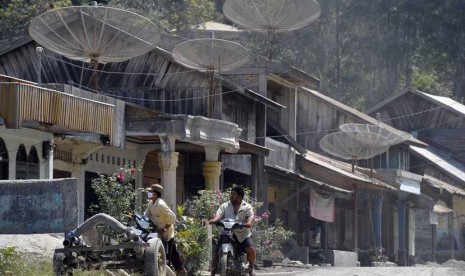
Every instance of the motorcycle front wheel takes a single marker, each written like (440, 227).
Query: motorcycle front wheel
(225, 262)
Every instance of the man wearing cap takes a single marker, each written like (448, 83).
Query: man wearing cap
(160, 213)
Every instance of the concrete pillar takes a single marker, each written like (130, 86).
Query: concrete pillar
(377, 215)
(168, 162)
(49, 160)
(212, 172)
(212, 168)
(401, 251)
(78, 173)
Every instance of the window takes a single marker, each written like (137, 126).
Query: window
(33, 165)
(3, 160)
(21, 163)
(27, 166)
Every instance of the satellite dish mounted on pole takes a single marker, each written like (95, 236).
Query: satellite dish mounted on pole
(212, 56)
(272, 16)
(94, 34)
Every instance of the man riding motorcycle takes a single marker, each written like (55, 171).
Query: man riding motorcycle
(242, 212)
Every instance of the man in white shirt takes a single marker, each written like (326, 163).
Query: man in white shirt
(241, 211)
(160, 213)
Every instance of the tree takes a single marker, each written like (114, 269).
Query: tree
(15, 15)
(173, 15)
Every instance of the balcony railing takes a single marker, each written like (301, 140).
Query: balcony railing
(21, 102)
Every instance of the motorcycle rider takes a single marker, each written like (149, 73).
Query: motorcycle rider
(242, 212)
(159, 212)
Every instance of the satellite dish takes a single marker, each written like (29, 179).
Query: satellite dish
(272, 15)
(354, 145)
(94, 34)
(391, 137)
(210, 55)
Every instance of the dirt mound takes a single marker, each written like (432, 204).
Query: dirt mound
(454, 263)
(37, 245)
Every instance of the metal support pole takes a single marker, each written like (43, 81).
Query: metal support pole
(39, 52)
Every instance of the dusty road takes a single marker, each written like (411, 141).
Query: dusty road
(361, 271)
(382, 271)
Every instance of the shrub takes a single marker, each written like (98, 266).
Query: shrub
(192, 242)
(269, 238)
(116, 194)
(10, 260)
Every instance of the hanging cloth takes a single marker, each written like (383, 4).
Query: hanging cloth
(321, 205)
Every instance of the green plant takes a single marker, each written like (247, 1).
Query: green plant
(10, 260)
(116, 194)
(269, 238)
(192, 241)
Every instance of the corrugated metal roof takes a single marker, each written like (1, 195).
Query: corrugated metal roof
(443, 185)
(215, 26)
(456, 106)
(344, 169)
(452, 169)
(445, 101)
(314, 181)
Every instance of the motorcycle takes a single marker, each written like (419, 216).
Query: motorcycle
(145, 228)
(230, 257)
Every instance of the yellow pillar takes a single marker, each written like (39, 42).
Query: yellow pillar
(212, 172)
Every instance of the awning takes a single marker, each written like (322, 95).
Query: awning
(247, 147)
(453, 169)
(403, 180)
(439, 184)
(422, 201)
(334, 169)
(439, 209)
(311, 180)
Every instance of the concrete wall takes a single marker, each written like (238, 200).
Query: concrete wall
(28, 137)
(38, 206)
(105, 161)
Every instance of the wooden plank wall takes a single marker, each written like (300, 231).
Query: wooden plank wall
(414, 113)
(240, 110)
(316, 118)
(163, 85)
